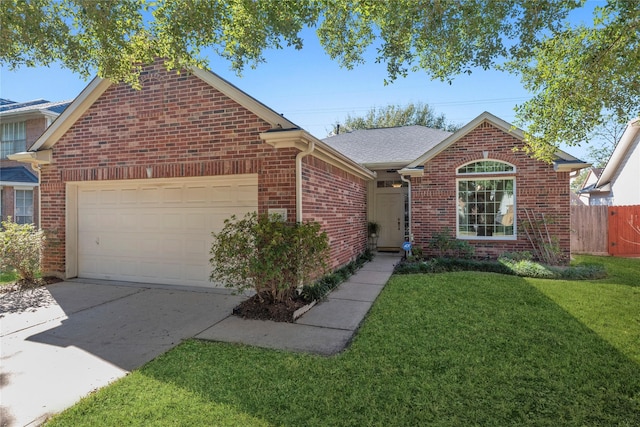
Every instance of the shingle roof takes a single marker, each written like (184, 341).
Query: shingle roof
(36, 105)
(387, 145)
(17, 174)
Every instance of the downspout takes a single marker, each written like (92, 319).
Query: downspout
(36, 168)
(299, 157)
(408, 181)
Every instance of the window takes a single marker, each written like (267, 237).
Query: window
(486, 205)
(13, 139)
(24, 207)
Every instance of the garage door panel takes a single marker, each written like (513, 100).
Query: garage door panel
(158, 232)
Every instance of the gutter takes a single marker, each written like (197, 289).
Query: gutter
(36, 159)
(299, 156)
(409, 208)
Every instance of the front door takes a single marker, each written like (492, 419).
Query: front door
(390, 215)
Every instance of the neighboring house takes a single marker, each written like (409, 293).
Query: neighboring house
(619, 182)
(21, 123)
(133, 182)
(590, 181)
(471, 182)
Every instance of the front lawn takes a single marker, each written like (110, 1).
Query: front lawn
(463, 348)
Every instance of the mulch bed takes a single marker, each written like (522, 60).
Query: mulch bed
(278, 312)
(22, 285)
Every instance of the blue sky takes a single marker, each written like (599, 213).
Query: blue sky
(315, 93)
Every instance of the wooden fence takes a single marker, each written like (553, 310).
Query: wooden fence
(602, 230)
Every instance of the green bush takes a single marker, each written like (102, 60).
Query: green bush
(272, 257)
(446, 245)
(321, 288)
(522, 268)
(22, 247)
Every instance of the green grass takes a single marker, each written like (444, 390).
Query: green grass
(462, 348)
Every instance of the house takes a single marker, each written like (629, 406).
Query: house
(593, 174)
(133, 182)
(471, 182)
(21, 123)
(618, 184)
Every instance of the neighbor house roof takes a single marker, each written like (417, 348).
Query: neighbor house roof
(387, 147)
(564, 161)
(43, 107)
(16, 175)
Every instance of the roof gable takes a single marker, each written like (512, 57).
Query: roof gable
(18, 174)
(466, 129)
(98, 86)
(564, 162)
(628, 141)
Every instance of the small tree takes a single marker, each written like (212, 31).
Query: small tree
(267, 255)
(22, 246)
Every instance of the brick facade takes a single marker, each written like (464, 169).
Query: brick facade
(538, 187)
(179, 126)
(33, 129)
(338, 201)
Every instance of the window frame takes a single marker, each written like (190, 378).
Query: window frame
(12, 141)
(488, 176)
(16, 217)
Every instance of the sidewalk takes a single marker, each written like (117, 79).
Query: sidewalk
(327, 328)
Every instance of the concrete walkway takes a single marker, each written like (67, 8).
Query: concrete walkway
(60, 342)
(327, 328)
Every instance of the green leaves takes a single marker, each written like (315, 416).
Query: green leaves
(267, 255)
(21, 247)
(577, 74)
(397, 115)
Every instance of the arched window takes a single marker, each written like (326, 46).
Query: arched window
(486, 200)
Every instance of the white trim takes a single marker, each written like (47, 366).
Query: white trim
(274, 119)
(624, 145)
(492, 238)
(489, 159)
(98, 86)
(71, 114)
(26, 185)
(301, 139)
(484, 117)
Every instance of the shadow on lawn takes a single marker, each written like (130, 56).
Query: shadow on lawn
(450, 349)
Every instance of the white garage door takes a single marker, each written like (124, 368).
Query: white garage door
(156, 231)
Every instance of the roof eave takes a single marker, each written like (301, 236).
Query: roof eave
(451, 139)
(626, 142)
(570, 166)
(301, 139)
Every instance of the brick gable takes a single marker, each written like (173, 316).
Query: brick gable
(176, 126)
(538, 187)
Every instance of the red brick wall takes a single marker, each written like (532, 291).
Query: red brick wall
(338, 201)
(178, 125)
(538, 187)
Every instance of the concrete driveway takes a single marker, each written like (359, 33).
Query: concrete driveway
(60, 342)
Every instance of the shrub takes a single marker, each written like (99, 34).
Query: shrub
(269, 256)
(446, 245)
(22, 246)
(522, 268)
(321, 288)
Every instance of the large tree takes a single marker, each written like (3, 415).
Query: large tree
(577, 73)
(397, 115)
